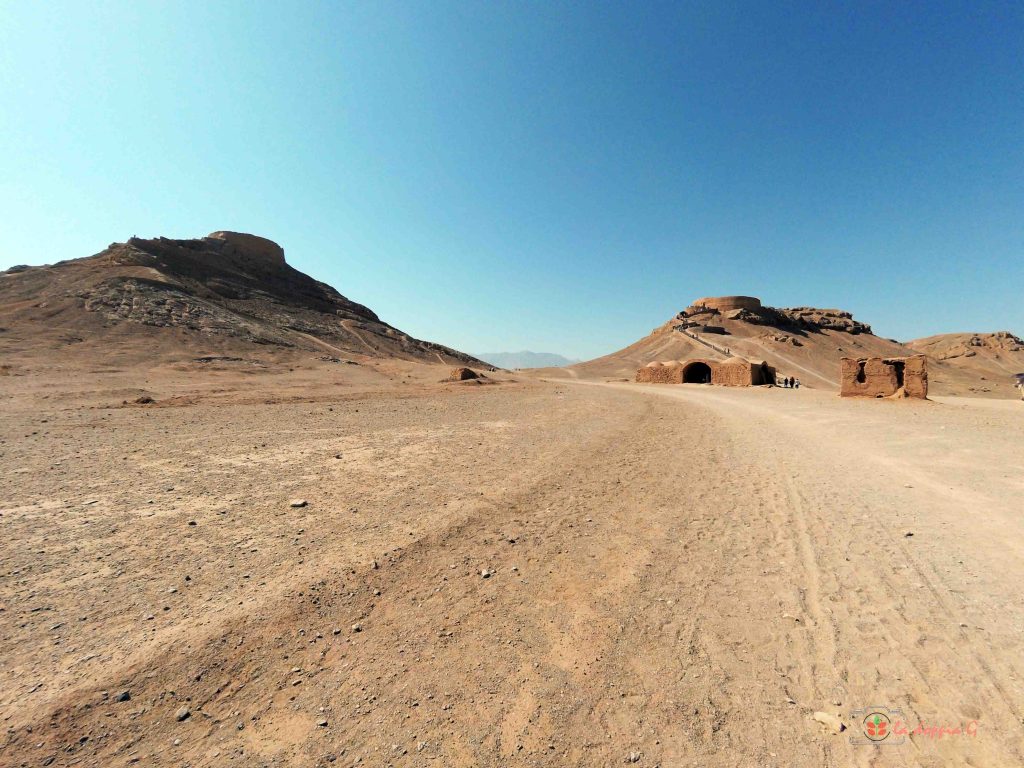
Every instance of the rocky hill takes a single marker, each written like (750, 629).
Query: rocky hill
(805, 342)
(993, 357)
(227, 293)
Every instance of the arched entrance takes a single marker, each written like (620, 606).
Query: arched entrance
(697, 373)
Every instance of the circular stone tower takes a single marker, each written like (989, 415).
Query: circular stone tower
(727, 303)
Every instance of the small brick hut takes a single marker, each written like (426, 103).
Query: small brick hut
(884, 376)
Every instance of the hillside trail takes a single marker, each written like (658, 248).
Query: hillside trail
(674, 576)
(326, 345)
(764, 352)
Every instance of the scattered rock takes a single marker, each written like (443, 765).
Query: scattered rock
(357, 627)
(182, 714)
(123, 696)
(298, 503)
(322, 722)
(830, 721)
(486, 573)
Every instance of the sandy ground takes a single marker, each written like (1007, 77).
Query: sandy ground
(534, 573)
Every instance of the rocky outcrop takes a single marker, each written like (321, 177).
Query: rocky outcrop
(748, 309)
(226, 283)
(819, 319)
(970, 345)
(159, 304)
(250, 247)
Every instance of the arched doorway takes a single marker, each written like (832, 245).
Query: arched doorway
(697, 373)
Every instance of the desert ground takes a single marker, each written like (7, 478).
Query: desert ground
(528, 572)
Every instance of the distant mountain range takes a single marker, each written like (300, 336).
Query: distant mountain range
(525, 359)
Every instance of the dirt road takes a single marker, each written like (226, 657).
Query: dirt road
(532, 574)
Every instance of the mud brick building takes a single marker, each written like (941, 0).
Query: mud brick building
(884, 376)
(733, 372)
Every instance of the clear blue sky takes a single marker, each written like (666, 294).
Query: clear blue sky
(559, 177)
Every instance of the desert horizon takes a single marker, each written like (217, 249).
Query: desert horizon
(556, 385)
(163, 283)
(255, 522)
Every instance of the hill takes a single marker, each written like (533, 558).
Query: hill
(993, 357)
(804, 342)
(225, 294)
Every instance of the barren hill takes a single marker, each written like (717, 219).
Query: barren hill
(227, 293)
(805, 342)
(993, 357)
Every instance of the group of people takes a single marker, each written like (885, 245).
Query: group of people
(789, 383)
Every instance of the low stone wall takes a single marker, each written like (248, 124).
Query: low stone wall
(884, 376)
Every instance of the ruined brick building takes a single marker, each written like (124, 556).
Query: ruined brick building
(884, 376)
(733, 372)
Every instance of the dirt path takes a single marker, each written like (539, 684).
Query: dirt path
(565, 575)
(325, 345)
(908, 539)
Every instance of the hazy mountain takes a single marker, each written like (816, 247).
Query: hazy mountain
(525, 359)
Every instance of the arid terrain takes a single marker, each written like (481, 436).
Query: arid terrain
(808, 343)
(247, 522)
(526, 573)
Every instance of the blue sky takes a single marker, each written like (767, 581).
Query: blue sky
(559, 177)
